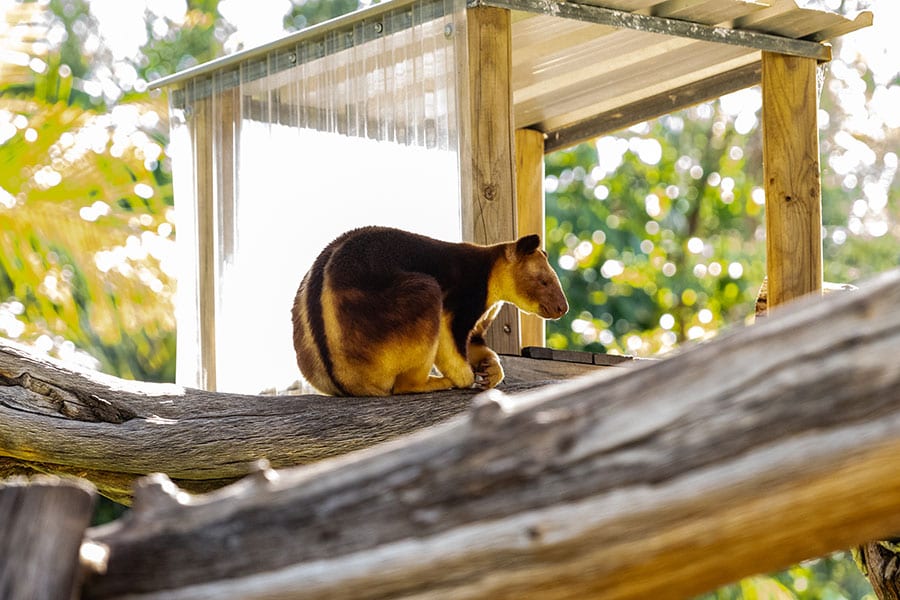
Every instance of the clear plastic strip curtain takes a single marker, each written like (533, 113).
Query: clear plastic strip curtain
(277, 155)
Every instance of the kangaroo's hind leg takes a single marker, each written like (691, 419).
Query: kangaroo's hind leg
(389, 335)
(455, 371)
(420, 345)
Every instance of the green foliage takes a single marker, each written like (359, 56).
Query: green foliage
(75, 18)
(305, 13)
(656, 231)
(86, 265)
(60, 74)
(173, 47)
(106, 510)
(77, 268)
(833, 577)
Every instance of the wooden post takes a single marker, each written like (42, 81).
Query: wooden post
(202, 146)
(530, 212)
(215, 133)
(791, 173)
(487, 154)
(42, 525)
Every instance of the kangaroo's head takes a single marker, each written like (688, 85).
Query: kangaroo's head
(523, 277)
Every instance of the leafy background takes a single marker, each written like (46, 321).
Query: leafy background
(656, 231)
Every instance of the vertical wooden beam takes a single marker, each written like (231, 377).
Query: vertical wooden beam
(227, 129)
(792, 180)
(530, 213)
(215, 134)
(228, 135)
(202, 142)
(489, 213)
(487, 152)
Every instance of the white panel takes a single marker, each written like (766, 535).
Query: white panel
(188, 365)
(361, 130)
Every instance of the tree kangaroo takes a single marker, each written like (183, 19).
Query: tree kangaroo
(381, 306)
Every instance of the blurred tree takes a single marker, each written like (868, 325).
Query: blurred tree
(656, 230)
(86, 273)
(173, 46)
(833, 577)
(859, 142)
(304, 13)
(82, 269)
(49, 75)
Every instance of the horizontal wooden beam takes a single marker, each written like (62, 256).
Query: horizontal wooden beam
(570, 9)
(653, 107)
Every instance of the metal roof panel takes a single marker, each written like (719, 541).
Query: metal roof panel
(574, 60)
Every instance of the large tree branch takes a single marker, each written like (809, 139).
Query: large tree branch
(54, 419)
(764, 447)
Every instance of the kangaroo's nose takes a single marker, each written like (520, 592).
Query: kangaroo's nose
(562, 308)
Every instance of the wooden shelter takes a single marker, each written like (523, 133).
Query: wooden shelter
(440, 112)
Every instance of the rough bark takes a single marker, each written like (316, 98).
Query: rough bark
(54, 419)
(882, 564)
(42, 524)
(763, 447)
(880, 561)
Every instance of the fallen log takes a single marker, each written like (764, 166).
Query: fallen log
(764, 447)
(57, 419)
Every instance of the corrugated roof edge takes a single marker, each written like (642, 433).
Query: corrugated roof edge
(592, 13)
(313, 32)
(813, 48)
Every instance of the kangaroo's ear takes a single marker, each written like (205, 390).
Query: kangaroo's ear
(527, 244)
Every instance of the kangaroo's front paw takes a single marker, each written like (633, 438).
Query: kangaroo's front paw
(488, 372)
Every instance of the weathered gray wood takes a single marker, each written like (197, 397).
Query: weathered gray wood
(579, 357)
(522, 371)
(42, 525)
(56, 420)
(763, 447)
